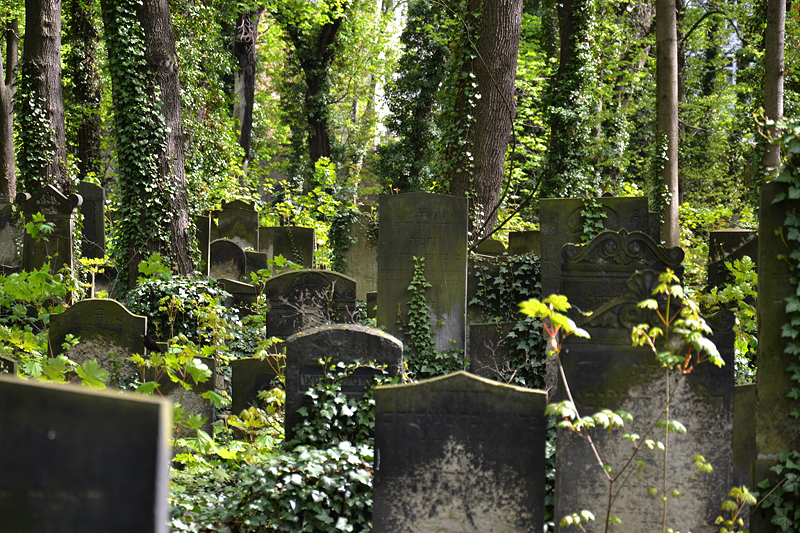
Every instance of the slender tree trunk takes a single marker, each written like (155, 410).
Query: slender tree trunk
(773, 77)
(244, 48)
(8, 178)
(667, 110)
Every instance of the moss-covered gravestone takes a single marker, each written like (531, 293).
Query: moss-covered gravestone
(227, 259)
(238, 221)
(294, 243)
(459, 453)
(524, 242)
(58, 210)
(433, 227)
(79, 460)
(361, 257)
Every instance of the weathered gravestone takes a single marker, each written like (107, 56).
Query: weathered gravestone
(8, 247)
(202, 226)
(228, 260)
(254, 261)
(433, 227)
(744, 435)
(79, 460)
(59, 210)
(606, 372)
(251, 375)
(361, 256)
(342, 343)
(292, 242)
(242, 296)
(93, 211)
(729, 245)
(489, 349)
(561, 222)
(8, 366)
(524, 242)
(301, 299)
(595, 273)
(192, 400)
(459, 453)
(108, 333)
(238, 222)
(490, 247)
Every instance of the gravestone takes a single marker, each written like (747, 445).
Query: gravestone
(744, 435)
(238, 222)
(192, 400)
(595, 273)
(729, 245)
(242, 295)
(8, 247)
(228, 260)
(488, 349)
(79, 460)
(561, 223)
(93, 211)
(292, 242)
(254, 261)
(372, 304)
(524, 242)
(342, 343)
(251, 375)
(607, 372)
(776, 429)
(8, 366)
(490, 247)
(202, 226)
(459, 453)
(108, 333)
(433, 226)
(301, 299)
(59, 210)
(361, 258)
(654, 229)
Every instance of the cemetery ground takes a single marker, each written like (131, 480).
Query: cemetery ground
(299, 407)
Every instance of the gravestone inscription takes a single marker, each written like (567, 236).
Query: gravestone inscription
(79, 460)
(459, 453)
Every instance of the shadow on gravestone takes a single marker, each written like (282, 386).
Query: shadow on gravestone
(108, 333)
(295, 243)
(228, 260)
(524, 242)
(488, 349)
(251, 375)
(302, 299)
(192, 400)
(342, 343)
(238, 222)
(242, 297)
(606, 372)
(8, 366)
(58, 210)
(79, 460)
(459, 453)
(93, 244)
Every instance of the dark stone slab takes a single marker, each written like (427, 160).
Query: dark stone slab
(8, 247)
(524, 242)
(108, 333)
(251, 375)
(744, 435)
(607, 372)
(79, 460)
(729, 245)
(242, 295)
(203, 227)
(228, 260)
(94, 222)
(458, 453)
(238, 222)
(301, 299)
(59, 210)
(654, 226)
(342, 343)
(372, 304)
(255, 261)
(8, 366)
(595, 273)
(488, 352)
(490, 247)
(433, 226)
(292, 242)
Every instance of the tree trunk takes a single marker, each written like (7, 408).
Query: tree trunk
(8, 178)
(667, 110)
(773, 77)
(495, 70)
(244, 49)
(41, 70)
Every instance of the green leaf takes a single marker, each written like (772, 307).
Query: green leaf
(92, 375)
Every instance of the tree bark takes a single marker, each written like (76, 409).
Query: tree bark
(41, 65)
(8, 178)
(774, 37)
(244, 49)
(495, 70)
(667, 111)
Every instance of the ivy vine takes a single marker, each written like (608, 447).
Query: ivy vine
(593, 217)
(341, 238)
(35, 146)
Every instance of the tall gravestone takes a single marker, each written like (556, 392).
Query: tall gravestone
(291, 242)
(595, 273)
(8, 247)
(227, 260)
(433, 226)
(776, 429)
(561, 222)
(459, 453)
(238, 222)
(93, 211)
(361, 257)
(79, 460)
(342, 343)
(301, 299)
(202, 225)
(59, 210)
(606, 372)
(108, 333)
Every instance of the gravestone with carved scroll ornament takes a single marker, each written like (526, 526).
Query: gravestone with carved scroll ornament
(434, 227)
(59, 210)
(606, 372)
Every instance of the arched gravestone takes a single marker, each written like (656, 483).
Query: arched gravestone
(342, 343)
(108, 333)
(60, 210)
(605, 371)
(228, 260)
(595, 273)
(302, 299)
(459, 453)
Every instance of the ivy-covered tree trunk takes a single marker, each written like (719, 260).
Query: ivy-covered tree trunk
(667, 111)
(152, 211)
(8, 178)
(84, 95)
(774, 37)
(494, 67)
(244, 49)
(42, 156)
